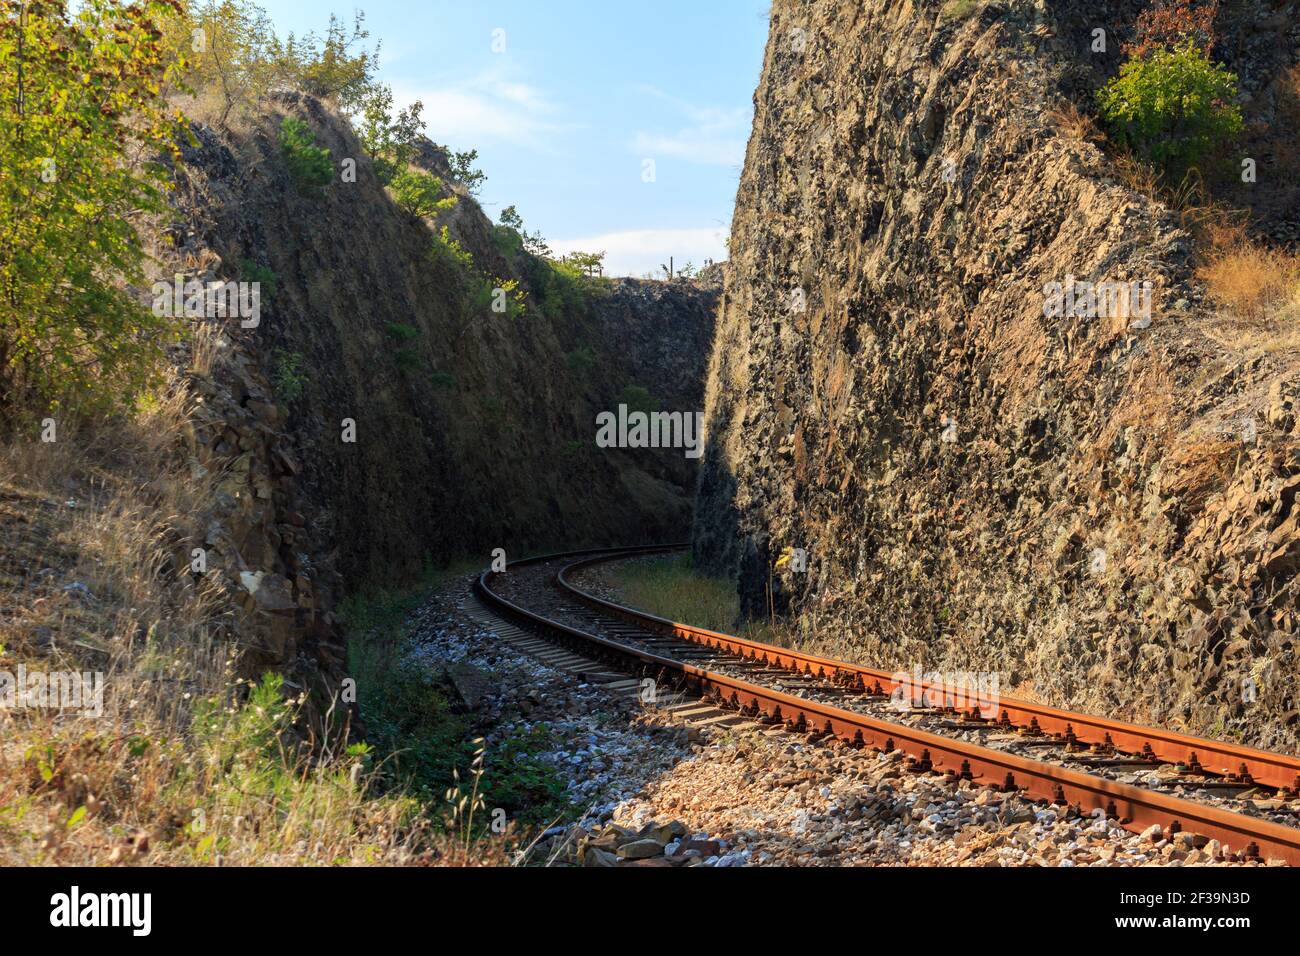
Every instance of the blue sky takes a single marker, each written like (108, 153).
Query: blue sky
(583, 94)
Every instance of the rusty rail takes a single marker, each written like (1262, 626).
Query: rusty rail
(1136, 808)
(1235, 763)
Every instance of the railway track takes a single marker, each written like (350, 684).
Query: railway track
(1076, 756)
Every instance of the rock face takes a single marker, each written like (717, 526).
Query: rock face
(381, 415)
(1102, 509)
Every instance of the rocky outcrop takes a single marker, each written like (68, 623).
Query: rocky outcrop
(1100, 508)
(380, 416)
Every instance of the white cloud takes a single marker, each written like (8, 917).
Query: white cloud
(485, 108)
(716, 136)
(636, 252)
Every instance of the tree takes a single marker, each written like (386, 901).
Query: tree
(83, 123)
(1172, 106)
(463, 171)
(390, 139)
(229, 47)
(532, 242)
(420, 193)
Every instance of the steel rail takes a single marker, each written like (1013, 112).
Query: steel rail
(1234, 762)
(1135, 808)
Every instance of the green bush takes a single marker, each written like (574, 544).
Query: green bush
(419, 193)
(508, 241)
(638, 399)
(581, 360)
(402, 333)
(264, 276)
(289, 379)
(406, 358)
(450, 253)
(310, 165)
(79, 93)
(1172, 107)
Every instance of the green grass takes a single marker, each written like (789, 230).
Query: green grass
(421, 746)
(671, 588)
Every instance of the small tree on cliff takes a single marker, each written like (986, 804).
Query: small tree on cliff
(1171, 103)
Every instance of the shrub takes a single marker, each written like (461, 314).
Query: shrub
(309, 164)
(638, 399)
(402, 333)
(464, 172)
(266, 279)
(288, 379)
(1172, 107)
(1168, 24)
(419, 193)
(406, 358)
(506, 292)
(449, 252)
(1252, 281)
(581, 360)
(509, 242)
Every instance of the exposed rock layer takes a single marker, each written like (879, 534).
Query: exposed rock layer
(1104, 513)
(473, 430)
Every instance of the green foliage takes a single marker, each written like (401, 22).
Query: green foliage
(268, 282)
(423, 744)
(638, 399)
(407, 359)
(288, 378)
(531, 242)
(239, 57)
(1173, 107)
(449, 252)
(402, 333)
(419, 193)
(507, 240)
(334, 66)
(442, 380)
(582, 360)
(463, 171)
(81, 113)
(562, 289)
(309, 164)
(499, 297)
(588, 263)
(390, 138)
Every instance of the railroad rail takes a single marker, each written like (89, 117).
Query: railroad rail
(1135, 807)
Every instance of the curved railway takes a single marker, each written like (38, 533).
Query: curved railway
(833, 700)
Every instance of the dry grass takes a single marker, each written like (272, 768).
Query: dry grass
(186, 764)
(1257, 291)
(1074, 123)
(1254, 282)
